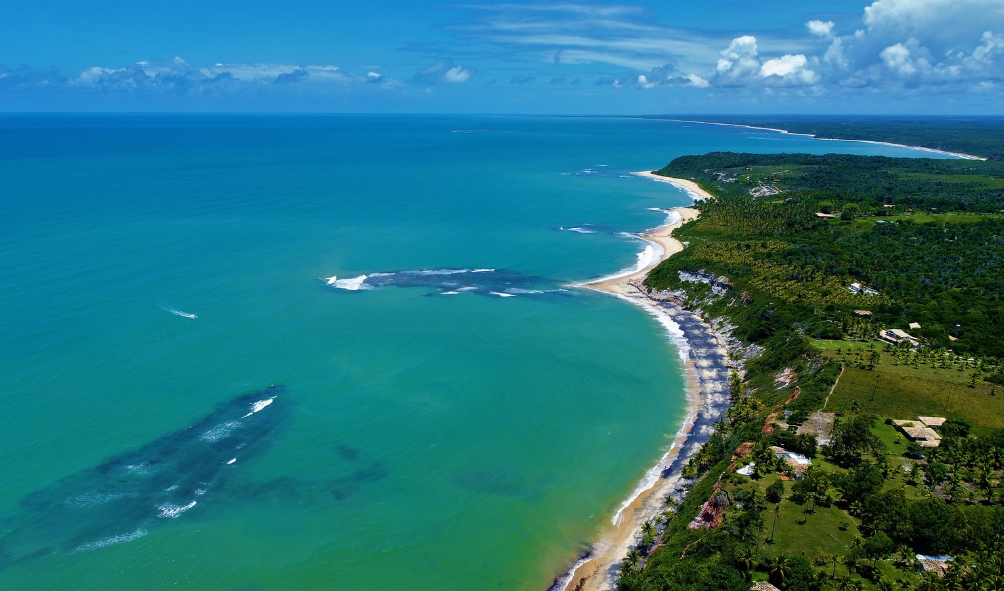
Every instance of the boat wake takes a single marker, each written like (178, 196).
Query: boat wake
(177, 312)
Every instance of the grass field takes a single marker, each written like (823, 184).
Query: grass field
(905, 392)
(819, 536)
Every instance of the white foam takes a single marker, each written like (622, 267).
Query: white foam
(482, 270)
(119, 539)
(678, 338)
(257, 406)
(579, 230)
(450, 293)
(463, 289)
(504, 295)
(672, 216)
(351, 284)
(232, 461)
(566, 580)
(648, 257)
(92, 499)
(516, 290)
(199, 492)
(142, 469)
(169, 511)
(221, 431)
(438, 272)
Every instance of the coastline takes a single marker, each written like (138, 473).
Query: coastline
(706, 365)
(833, 139)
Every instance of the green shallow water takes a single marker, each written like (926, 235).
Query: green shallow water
(433, 442)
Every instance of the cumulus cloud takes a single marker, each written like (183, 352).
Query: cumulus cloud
(443, 73)
(820, 28)
(740, 65)
(949, 44)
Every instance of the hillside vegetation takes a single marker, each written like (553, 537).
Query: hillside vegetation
(760, 260)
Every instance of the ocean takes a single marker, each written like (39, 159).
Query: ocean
(329, 352)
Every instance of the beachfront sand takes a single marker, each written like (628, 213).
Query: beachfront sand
(707, 368)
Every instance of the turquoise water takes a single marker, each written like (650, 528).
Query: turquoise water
(428, 441)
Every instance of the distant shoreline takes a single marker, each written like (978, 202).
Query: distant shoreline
(830, 139)
(598, 571)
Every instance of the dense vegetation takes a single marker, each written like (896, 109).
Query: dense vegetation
(979, 136)
(944, 272)
(778, 273)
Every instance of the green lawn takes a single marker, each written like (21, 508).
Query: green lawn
(827, 531)
(903, 392)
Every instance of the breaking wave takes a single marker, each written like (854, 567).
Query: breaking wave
(446, 281)
(169, 511)
(119, 539)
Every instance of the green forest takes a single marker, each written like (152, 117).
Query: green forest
(923, 241)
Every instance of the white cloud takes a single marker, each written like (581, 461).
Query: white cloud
(740, 46)
(835, 54)
(443, 73)
(783, 66)
(457, 74)
(897, 59)
(740, 65)
(697, 82)
(820, 28)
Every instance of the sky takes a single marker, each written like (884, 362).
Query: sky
(924, 57)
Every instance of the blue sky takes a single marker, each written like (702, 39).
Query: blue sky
(784, 56)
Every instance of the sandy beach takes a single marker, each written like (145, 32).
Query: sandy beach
(706, 361)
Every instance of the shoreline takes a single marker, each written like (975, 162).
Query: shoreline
(705, 361)
(962, 155)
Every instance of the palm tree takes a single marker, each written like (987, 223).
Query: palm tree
(846, 583)
(647, 528)
(632, 559)
(745, 561)
(779, 568)
(777, 510)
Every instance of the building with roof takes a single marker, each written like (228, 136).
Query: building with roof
(896, 336)
(922, 436)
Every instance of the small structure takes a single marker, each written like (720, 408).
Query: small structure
(863, 313)
(896, 336)
(922, 436)
(763, 586)
(825, 216)
(932, 421)
(914, 325)
(858, 288)
(933, 564)
(798, 463)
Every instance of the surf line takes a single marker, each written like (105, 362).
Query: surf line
(593, 571)
(177, 312)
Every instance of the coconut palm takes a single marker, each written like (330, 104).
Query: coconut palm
(745, 560)
(779, 568)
